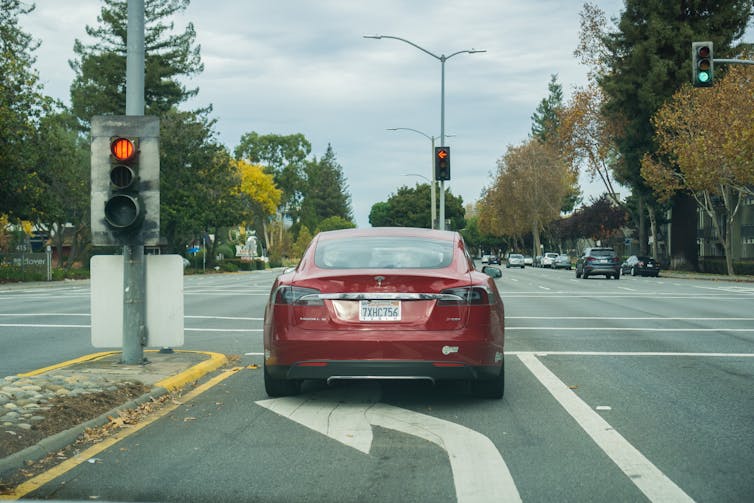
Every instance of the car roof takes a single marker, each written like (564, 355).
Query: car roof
(387, 232)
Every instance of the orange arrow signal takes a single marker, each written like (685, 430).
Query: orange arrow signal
(442, 154)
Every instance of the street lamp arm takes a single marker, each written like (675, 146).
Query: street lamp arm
(407, 41)
(417, 174)
(410, 129)
(467, 51)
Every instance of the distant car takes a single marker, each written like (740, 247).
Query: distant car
(640, 265)
(385, 303)
(528, 260)
(598, 261)
(494, 259)
(562, 262)
(548, 259)
(515, 260)
(485, 259)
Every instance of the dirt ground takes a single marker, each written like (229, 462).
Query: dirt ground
(65, 413)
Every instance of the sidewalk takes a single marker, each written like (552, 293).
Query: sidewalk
(38, 403)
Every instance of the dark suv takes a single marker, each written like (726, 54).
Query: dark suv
(601, 261)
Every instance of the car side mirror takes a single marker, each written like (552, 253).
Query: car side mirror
(493, 272)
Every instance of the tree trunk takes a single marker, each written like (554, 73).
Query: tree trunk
(536, 239)
(653, 230)
(642, 227)
(684, 251)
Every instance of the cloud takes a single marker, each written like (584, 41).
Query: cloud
(288, 66)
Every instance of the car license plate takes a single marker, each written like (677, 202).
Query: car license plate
(379, 310)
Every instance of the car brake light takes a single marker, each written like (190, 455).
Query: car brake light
(298, 295)
(472, 295)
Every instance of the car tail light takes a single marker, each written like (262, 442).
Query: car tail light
(590, 259)
(296, 295)
(472, 295)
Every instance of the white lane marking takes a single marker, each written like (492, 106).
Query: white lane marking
(627, 289)
(544, 287)
(40, 325)
(647, 477)
(44, 314)
(479, 472)
(253, 354)
(629, 353)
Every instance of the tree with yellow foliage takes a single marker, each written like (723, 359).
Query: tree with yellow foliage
(705, 138)
(261, 195)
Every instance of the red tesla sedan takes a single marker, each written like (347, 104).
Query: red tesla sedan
(385, 303)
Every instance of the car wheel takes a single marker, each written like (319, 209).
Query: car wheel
(280, 387)
(585, 276)
(490, 388)
(578, 274)
(616, 276)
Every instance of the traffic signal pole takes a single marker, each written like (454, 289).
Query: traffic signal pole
(134, 264)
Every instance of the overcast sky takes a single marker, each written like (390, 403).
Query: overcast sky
(296, 66)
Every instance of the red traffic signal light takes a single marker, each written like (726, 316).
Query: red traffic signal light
(442, 163)
(122, 148)
(123, 209)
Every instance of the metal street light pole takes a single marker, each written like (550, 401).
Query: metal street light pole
(442, 58)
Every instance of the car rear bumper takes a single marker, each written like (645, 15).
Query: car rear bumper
(330, 370)
(592, 270)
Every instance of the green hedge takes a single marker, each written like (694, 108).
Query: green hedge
(14, 274)
(716, 265)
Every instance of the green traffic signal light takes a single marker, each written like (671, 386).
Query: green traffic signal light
(702, 63)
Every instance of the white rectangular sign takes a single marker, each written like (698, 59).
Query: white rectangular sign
(164, 290)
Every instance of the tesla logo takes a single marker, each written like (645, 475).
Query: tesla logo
(379, 280)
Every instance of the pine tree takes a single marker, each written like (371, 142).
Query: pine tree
(100, 83)
(326, 191)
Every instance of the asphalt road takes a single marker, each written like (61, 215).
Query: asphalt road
(628, 390)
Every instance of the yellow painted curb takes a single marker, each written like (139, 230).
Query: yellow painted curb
(216, 360)
(86, 358)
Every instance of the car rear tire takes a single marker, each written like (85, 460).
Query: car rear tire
(490, 388)
(585, 276)
(280, 387)
(616, 276)
(578, 274)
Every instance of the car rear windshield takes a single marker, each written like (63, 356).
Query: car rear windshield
(602, 253)
(384, 252)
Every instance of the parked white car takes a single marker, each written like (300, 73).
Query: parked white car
(515, 260)
(548, 259)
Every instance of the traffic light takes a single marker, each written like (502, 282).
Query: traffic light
(123, 209)
(125, 170)
(702, 64)
(442, 163)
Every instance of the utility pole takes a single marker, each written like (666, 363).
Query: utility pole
(134, 268)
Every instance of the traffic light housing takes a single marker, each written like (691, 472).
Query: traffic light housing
(124, 210)
(442, 163)
(702, 63)
(125, 170)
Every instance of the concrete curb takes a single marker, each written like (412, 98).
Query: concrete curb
(64, 438)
